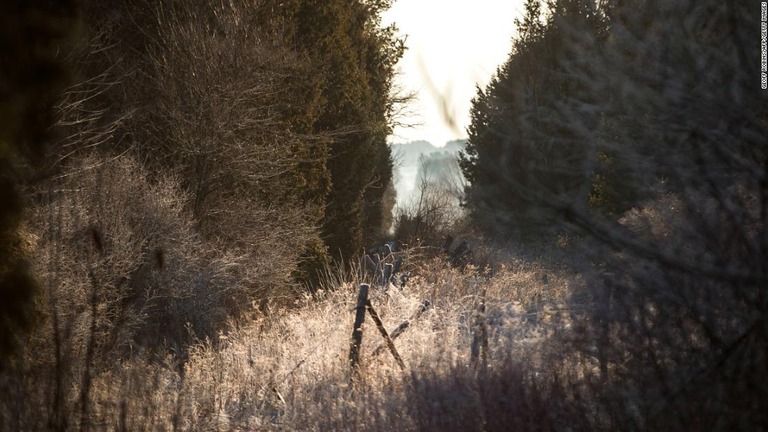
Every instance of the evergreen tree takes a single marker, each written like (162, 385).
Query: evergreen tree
(218, 93)
(524, 143)
(355, 59)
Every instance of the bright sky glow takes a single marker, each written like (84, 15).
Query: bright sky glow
(453, 45)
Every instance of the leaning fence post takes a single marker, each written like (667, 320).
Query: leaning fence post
(370, 264)
(387, 339)
(357, 331)
(403, 325)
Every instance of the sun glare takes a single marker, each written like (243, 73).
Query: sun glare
(453, 46)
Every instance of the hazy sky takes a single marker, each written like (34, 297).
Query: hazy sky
(453, 45)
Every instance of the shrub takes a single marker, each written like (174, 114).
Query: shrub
(112, 242)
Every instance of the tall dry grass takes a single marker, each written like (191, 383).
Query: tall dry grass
(287, 369)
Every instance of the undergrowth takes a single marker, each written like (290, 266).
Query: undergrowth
(287, 368)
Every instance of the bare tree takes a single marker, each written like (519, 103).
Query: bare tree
(436, 205)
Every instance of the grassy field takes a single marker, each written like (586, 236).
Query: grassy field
(288, 369)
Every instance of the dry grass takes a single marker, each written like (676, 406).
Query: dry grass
(557, 358)
(288, 369)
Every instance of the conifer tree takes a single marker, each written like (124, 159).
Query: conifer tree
(523, 141)
(355, 58)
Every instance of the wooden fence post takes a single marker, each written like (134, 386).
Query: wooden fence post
(383, 331)
(479, 350)
(387, 274)
(403, 326)
(398, 264)
(357, 331)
